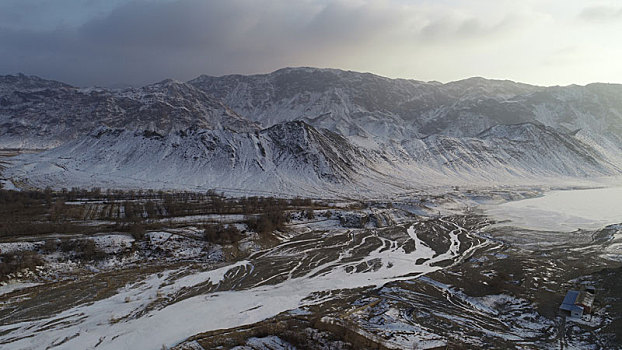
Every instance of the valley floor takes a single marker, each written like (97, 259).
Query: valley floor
(431, 271)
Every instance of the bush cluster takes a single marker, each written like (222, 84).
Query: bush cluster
(17, 261)
(267, 222)
(84, 249)
(221, 234)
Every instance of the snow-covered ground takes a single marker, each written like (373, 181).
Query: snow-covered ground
(564, 211)
(8, 288)
(422, 270)
(129, 320)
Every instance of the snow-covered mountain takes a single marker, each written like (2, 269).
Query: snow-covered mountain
(310, 131)
(370, 106)
(294, 158)
(288, 157)
(38, 113)
(364, 104)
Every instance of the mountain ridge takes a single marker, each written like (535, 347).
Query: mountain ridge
(307, 130)
(37, 113)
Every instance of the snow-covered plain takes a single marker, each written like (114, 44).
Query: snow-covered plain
(563, 211)
(8, 288)
(129, 320)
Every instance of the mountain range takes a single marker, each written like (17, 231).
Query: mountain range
(310, 131)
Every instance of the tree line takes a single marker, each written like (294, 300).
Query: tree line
(37, 212)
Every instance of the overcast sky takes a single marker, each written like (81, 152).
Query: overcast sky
(114, 42)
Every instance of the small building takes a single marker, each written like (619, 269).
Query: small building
(570, 304)
(578, 302)
(585, 299)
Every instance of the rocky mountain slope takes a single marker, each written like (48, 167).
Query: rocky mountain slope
(292, 157)
(371, 108)
(310, 131)
(37, 113)
(368, 105)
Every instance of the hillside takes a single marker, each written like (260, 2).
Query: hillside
(307, 131)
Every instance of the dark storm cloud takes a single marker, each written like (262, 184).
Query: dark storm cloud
(144, 41)
(46, 14)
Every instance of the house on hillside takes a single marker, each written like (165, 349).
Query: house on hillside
(578, 303)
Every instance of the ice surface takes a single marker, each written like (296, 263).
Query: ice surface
(564, 211)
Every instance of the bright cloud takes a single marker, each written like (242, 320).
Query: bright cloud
(107, 42)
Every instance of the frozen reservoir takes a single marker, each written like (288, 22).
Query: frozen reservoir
(563, 210)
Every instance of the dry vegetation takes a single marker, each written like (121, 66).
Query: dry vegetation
(32, 213)
(66, 220)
